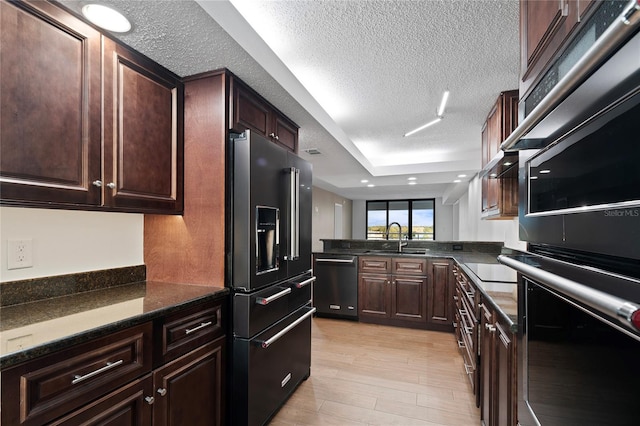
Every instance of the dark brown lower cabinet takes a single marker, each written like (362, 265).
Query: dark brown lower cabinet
(124, 407)
(189, 389)
(408, 298)
(113, 380)
(374, 296)
(497, 370)
(406, 291)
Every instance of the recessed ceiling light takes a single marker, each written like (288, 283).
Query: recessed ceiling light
(411, 178)
(457, 181)
(413, 183)
(107, 18)
(371, 185)
(493, 175)
(507, 163)
(364, 181)
(533, 177)
(544, 172)
(461, 176)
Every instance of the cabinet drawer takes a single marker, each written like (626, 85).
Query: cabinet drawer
(41, 390)
(188, 329)
(375, 264)
(409, 266)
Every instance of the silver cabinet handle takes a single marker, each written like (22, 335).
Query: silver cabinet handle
(111, 185)
(467, 368)
(110, 365)
(267, 300)
(201, 326)
(305, 282)
(162, 391)
(266, 343)
(97, 183)
(272, 134)
(335, 260)
(461, 344)
(150, 400)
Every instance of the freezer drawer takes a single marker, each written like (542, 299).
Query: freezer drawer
(269, 367)
(335, 291)
(254, 312)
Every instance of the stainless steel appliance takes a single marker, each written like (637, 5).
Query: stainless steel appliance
(269, 272)
(335, 291)
(579, 212)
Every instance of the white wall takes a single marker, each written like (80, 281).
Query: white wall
(323, 217)
(66, 242)
(471, 227)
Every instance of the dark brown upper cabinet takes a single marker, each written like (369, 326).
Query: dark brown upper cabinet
(50, 106)
(86, 123)
(251, 111)
(143, 148)
(499, 196)
(546, 26)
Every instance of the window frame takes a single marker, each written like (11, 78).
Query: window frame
(410, 215)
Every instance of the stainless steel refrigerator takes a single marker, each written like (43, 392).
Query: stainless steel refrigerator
(269, 272)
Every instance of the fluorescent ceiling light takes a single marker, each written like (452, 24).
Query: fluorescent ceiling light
(439, 115)
(431, 123)
(371, 185)
(443, 103)
(542, 172)
(411, 178)
(107, 18)
(413, 183)
(461, 176)
(364, 181)
(457, 181)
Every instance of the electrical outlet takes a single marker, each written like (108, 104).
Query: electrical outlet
(19, 254)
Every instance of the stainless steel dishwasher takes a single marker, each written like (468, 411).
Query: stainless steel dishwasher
(335, 291)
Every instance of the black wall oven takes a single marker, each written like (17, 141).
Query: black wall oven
(578, 344)
(578, 348)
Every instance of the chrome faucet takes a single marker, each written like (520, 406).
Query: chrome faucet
(400, 243)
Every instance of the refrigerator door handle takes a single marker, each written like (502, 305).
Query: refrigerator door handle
(293, 252)
(266, 343)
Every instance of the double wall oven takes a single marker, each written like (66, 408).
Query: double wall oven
(269, 272)
(579, 279)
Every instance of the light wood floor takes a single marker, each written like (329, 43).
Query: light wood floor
(364, 374)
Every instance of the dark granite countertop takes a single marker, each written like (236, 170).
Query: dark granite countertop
(29, 330)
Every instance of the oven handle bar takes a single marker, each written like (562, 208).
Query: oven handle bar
(596, 299)
(266, 343)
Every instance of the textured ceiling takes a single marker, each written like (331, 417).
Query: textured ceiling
(355, 75)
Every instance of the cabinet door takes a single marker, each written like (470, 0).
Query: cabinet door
(127, 406)
(188, 391)
(285, 133)
(49, 106)
(439, 295)
(487, 399)
(143, 147)
(249, 112)
(408, 298)
(374, 294)
(504, 375)
(544, 27)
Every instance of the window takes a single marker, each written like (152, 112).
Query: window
(415, 217)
